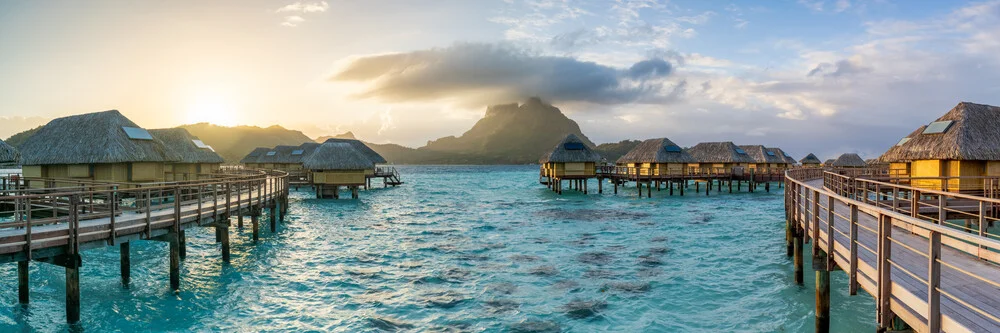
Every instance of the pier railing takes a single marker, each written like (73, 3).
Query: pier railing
(896, 243)
(640, 173)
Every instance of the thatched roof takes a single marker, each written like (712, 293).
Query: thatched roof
(571, 150)
(299, 154)
(8, 154)
(278, 154)
(660, 150)
(254, 155)
(337, 155)
(901, 142)
(363, 148)
(849, 160)
(92, 138)
(786, 159)
(973, 134)
(829, 162)
(178, 141)
(719, 152)
(760, 154)
(810, 159)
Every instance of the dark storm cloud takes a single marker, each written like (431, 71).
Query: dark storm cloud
(502, 72)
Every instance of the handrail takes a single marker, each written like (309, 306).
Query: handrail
(804, 211)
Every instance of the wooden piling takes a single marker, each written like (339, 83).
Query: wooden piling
(183, 243)
(126, 264)
(224, 230)
(272, 220)
(799, 274)
(22, 282)
(72, 294)
(254, 217)
(822, 294)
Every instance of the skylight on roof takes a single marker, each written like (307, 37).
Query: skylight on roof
(136, 133)
(938, 127)
(298, 152)
(573, 146)
(740, 151)
(903, 141)
(770, 153)
(271, 153)
(200, 144)
(672, 149)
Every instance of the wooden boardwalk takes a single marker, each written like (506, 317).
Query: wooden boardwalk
(55, 227)
(888, 255)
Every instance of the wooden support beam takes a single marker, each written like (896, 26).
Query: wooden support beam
(224, 231)
(271, 218)
(126, 264)
(822, 294)
(73, 294)
(254, 217)
(22, 282)
(798, 260)
(183, 243)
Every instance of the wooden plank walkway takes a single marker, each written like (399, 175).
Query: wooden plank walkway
(968, 292)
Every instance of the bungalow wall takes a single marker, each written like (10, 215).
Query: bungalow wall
(143, 172)
(339, 177)
(899, 169)
(948, 168)
(581, 169)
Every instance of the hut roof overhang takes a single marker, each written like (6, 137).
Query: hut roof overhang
(810, 159)
(660, 150)
(719, 152)
(186, 146)
(760, 154)
(254, 155)
(787, 159)
(93, 138)
(361, 147)
(278, 154)
(335, 155)
(571, 150)
(969, 131)
(8, 154)
(849, 160)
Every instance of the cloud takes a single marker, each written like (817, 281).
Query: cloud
(813, 5)
(842, 5)
(697, 19)
(305, 7)
(840, 68)
(480, 74)
(299, 9)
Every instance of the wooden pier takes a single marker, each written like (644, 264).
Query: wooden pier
(55, 225)
(899, 244)
(704, 181)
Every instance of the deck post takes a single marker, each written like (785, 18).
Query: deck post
(934, 282)
(126, 264)
(853, 271)
(183, 243)
(22, 282)
(616, 184)
(822, 292)
(799, 274)
(354, 192)
(789, 238)
(224, 231)
(254, 217)
(600, 186)
(73, 292)
(884, 279)
(274, 222)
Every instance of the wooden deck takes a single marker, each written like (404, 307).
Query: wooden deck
(887, 254)
(703, 181)
(56, 226)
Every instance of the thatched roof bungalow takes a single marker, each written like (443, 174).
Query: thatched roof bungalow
(765, 160)
(810, 161)
(250, 161)
(278, 158)
(788, 160)
(899, 168)
(196, 159)
(848, 160)
(961, 143)
(657, 157)
(8, 154)
(334, 164)
(719, 157)
(361, 147)
(103, 146)
(570, 159)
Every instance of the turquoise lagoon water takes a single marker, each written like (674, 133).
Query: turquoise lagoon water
(463, 249)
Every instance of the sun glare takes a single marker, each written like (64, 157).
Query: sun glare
(212, 110)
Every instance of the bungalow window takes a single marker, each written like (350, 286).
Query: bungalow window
(938, 127)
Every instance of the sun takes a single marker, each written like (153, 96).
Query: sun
(212, 110)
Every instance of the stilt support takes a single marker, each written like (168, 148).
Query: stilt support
(126, 264)
(799, 277)
(175, 263)
(22, 282)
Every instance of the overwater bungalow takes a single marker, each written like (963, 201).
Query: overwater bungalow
(8, 154)
(571, 160)
(764, 160)
(848, 160)
(657, 157)
(961, 143)
(810, 161)
(100, 146)
(197, 160)
(250, 161)
(788, 160)
(278, 158)
(900, 168)
(370, 153)
(336, 164)
(829, 162)
(719, 158)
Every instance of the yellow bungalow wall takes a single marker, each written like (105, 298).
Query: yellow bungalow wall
(948, 168)
(587, 169)
(339, 177)
(105, 172)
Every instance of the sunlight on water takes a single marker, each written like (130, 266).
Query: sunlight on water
(464, 249)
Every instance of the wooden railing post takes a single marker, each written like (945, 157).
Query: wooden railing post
(111, 218)
(853, 271)
(942, 214)
(830, 235)
(934, 282)
(27, 227)
(884, 270)
(815, 223)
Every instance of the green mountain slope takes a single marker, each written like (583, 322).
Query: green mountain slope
(235, 142)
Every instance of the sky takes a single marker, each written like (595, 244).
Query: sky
(806, 75)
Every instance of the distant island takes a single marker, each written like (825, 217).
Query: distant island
(507, 134)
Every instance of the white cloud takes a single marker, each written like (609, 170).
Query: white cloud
(841, 5)
(292, 21)
(305, 7)
(814, 5)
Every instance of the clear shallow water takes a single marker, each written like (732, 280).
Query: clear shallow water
(463, 249)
